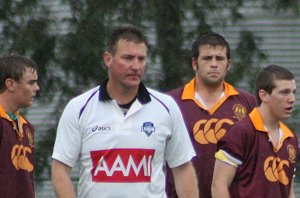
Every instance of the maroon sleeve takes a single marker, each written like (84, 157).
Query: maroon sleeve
(238, 139)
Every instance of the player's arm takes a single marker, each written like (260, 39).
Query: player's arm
(222, 178)
(61, 180)
(292, 192)
(185, 181)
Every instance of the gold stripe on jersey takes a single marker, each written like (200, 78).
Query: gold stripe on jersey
(220, 155)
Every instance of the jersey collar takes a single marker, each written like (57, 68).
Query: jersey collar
(143, 95)
(17, 125)
(3, 114)
(190, 90)
(259, 125)
(257, 121)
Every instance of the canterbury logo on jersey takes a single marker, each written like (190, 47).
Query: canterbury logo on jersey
(274, 170)
(122, 165)
(210, 131)
(19, 158)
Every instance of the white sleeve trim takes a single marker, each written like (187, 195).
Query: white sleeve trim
(234, 160)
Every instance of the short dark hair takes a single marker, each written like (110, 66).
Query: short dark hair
(125, 32)
(267, 76)
(209, 38)
(13, 66)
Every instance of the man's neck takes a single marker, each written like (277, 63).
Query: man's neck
(210, 95)
(7, 103)
(122, 95)
(270, 122)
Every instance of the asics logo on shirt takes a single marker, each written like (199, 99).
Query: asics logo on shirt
(274, 170)
(210, 131)
(122, 165)
(101, 128)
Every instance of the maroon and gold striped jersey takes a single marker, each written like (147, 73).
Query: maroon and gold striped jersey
(17, 155)
(265, 170)
(206, 127)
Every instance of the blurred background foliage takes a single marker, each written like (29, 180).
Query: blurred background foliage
(71, 61)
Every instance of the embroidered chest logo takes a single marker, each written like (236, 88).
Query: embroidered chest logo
(210, 131)
(148, 128)
(122, 165)
(239, 111)
(292, 153)
(19, 158)
(29, 137)
(274, 170)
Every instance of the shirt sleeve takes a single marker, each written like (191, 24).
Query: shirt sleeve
(68, 138)
(179, 149)
(223, 156)
(234, 145)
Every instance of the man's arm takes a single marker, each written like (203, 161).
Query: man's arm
(61, 180)
(185, 181)
(222, 178)
(292, 192)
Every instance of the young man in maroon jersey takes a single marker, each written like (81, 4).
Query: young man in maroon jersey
(18, 86)
(257, 158)
(210, 106)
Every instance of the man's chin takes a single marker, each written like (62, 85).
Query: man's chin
(214, 83)
(29, 104)
(134, 82)
(285, 117)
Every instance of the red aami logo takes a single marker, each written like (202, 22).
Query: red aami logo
(122, 165)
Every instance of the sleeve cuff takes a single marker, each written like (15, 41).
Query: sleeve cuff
(223, 156)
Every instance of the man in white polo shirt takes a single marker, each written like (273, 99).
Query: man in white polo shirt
(123, 133)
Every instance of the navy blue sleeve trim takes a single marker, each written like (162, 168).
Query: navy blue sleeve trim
(82, 109)
(161, 103)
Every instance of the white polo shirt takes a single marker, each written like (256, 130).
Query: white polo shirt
(122, 156)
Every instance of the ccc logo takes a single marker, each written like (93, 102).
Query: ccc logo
(19, 158)
(210, 131)
(273, 168)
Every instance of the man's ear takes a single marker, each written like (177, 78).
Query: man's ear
(229, 65)
(10, 84)
(194, 64)
(107, 59)
(263, 95)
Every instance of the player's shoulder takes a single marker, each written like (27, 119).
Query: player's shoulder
(244, 93)
(87, 95)
(244, 127)
(244, 123)
(159, 95)
(166, 100)
(176, 92)
(247, 97)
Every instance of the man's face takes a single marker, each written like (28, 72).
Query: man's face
(26, 89)
(127, 66)
(282, 99)
(212, 65)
